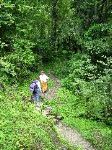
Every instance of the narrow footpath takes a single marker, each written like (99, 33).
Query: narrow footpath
(69, 134)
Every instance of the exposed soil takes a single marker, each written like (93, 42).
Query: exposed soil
(69, 134)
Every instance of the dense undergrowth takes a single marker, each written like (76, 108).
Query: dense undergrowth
(22, 126)
(71, 108)
(87, 102)
(92, 86)
(35, 33)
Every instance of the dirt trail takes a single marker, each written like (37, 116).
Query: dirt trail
(52, 92)
(73, 137)
(69, 134)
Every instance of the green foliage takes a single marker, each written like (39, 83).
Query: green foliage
(91, 86)
(7, 68)
(73, 109)
(97, 41)
(45, 29)
(97, 133)
(94, 90)
(22, 126)
(38, 31)
(16, 64)
(80, 66)
(22, 36)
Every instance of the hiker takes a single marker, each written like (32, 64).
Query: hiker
(43, 79)
(35, 88)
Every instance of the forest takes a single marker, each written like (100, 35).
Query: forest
(70, 40)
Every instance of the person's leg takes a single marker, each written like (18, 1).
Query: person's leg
(38, 102)
(36, 98)
(44, 86)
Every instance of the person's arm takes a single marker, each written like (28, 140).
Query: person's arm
(47, 77)
(32, 87)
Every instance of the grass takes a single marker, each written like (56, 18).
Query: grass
(99, 134)
(50, 83)
(21, 126)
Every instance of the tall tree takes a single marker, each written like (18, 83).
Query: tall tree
(54, 16)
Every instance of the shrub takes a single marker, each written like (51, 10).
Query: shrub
(93, 88)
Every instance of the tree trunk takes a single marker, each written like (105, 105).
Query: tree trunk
(54, 26)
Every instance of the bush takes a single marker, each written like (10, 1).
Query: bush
(22, 126)
(18, 64)
(92, 88)
(74, 108)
